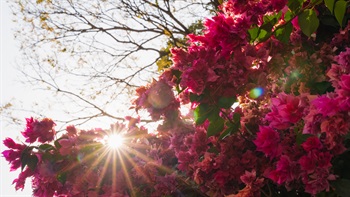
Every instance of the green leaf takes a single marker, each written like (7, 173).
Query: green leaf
(288, 15)
(28, 160)
(272, 19)
(283, 34)
(57, 144)
(342, 187)
(201, 113)
(339, 11)
(229, 131)
(213, 149)
(237, 118)
(295, 5)
(226, 133)
(226, 102)
(308, 22)
(232, 128)
(62, 177)
(322, 87)
(24, 160)
(32, 162)
(46, 147)
(214, 114)
(301, 138)
(215, 127)
(253, 33)
(316, 2)
(195, 97)
(263, 35)
(330, 4)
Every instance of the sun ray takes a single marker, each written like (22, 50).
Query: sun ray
(105, 168)
(114, 171)
(126, 175)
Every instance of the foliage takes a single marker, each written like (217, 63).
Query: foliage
(269, 88)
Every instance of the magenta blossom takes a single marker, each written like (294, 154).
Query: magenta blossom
(14, 154)
(43, 130)
(286, 110)
(286, 171)
(343, 59)
(325, 105)
(312, 143)
(267, 141)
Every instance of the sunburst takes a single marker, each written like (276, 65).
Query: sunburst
(114, 141)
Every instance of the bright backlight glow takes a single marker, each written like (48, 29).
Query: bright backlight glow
(115, 141)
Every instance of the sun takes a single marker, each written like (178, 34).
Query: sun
(115, 141)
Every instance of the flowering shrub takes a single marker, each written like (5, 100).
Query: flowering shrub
(268, 83)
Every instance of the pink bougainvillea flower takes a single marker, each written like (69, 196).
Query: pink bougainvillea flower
(43, 130)
(267, 141)
(286, 171)
(71, 130)
(343, 59)
(286, 110)
(325, 105)
(13, 145)
(312, 143)
(67, 146)
(318, 181)
(345, 85)
(20, 181)
(308, 162)
(14, 154)
(221, 178)
(344, 92)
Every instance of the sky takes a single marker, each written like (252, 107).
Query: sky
(13, 90)
(10, 88)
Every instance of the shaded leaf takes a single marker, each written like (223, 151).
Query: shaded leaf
(295, 5)
(330, 5)
(215, 127)
(213, 149)
(213, 114)
(46, 147)
(62, 177)
(226, 102)
(308, 22)
(339, 11)
(288, 15)
(283, 34)
(232, 128)
(316, 2)
(32, 162)
(28, 160)
(322, 87)
(57, 144)
(226, 133)
(201, 113)
(301, 138)
(342, 187)
(253, 33)
(237, 118)
(263, 35)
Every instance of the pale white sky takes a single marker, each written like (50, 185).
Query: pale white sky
(9, 88)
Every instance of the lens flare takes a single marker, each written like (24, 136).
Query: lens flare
(256, 92)
(114, 141)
